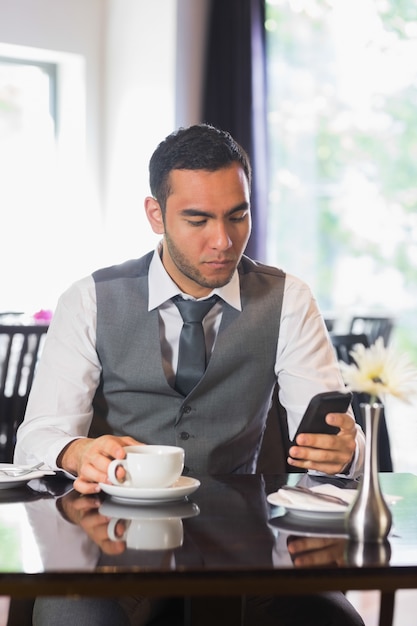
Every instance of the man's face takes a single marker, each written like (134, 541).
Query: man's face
(207, 225)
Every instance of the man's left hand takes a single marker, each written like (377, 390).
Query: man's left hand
(330, 454)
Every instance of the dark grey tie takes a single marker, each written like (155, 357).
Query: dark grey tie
(192, 347)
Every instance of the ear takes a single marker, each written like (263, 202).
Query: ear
(154, 215)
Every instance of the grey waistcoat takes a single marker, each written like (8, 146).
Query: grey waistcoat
(221, 422)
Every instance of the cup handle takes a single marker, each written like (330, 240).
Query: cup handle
(111, 530)
(111, 472)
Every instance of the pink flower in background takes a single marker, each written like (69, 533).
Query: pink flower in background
(43, 316)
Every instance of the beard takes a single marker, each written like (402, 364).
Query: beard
(191, 271)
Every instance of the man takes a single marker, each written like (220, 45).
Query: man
(116, 336)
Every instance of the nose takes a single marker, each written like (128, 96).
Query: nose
(219, 237)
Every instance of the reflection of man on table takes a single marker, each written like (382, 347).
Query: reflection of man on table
(77, 534)
(118, 332)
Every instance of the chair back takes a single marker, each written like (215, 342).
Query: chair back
(372, 327)
(343, 345)
(20, 348)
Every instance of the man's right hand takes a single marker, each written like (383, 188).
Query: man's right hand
(88, 459)
(84, 512)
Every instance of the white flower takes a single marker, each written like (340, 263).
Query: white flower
(380, 371)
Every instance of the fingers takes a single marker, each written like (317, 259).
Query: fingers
(329, 461)
(74, 508)
(344, 421)
(84, 512)
(94, 456)
(315, 551)
(86, 487)
(96, 527)
(326, 453)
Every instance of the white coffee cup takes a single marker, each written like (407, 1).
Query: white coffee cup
(148, 466)
(149, 533)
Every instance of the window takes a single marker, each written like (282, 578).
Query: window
(47, 210)
(343, 128)
(27, 154)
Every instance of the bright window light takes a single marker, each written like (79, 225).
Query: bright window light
(343, 128)
(49, 216)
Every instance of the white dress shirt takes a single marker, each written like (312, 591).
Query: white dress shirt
(60, 403)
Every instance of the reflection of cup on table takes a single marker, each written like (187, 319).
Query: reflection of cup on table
(149, 534)
(148, 466)
(149, 528)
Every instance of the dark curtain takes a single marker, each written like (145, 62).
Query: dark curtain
(234, 94)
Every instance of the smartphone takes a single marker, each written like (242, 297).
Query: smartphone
(314, 421)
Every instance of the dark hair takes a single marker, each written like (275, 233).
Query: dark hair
(199, 147)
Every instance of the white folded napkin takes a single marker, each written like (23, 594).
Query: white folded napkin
(301, 500)
(305, 501)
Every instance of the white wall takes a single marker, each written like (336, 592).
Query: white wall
(140, 112)
(155, 52)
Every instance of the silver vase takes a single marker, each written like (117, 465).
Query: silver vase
(366, 553)
(369, 518)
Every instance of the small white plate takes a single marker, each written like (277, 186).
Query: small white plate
(10, 482)
(184, 486)
(303, 505)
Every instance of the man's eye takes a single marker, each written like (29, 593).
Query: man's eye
(238, 218)
(197, 223)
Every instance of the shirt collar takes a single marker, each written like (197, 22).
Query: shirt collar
(162, 287)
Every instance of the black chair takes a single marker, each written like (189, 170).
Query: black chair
(343, 345)
(372, 327)
(329, 322)
(20, 348)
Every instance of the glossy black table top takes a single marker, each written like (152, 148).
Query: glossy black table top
(225, 540)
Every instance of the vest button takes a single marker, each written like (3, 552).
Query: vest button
(184, 436)
(187, 409)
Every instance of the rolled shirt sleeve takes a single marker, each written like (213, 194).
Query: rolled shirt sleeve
(60, 403)
(306, 363)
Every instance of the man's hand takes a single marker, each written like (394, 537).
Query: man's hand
(316, 551)
(83, 511)
(89, 459)
(326, 453)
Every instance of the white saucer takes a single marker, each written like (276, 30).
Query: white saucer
(10, 482)
(309, 527)
(184, 486)
(170, 510)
